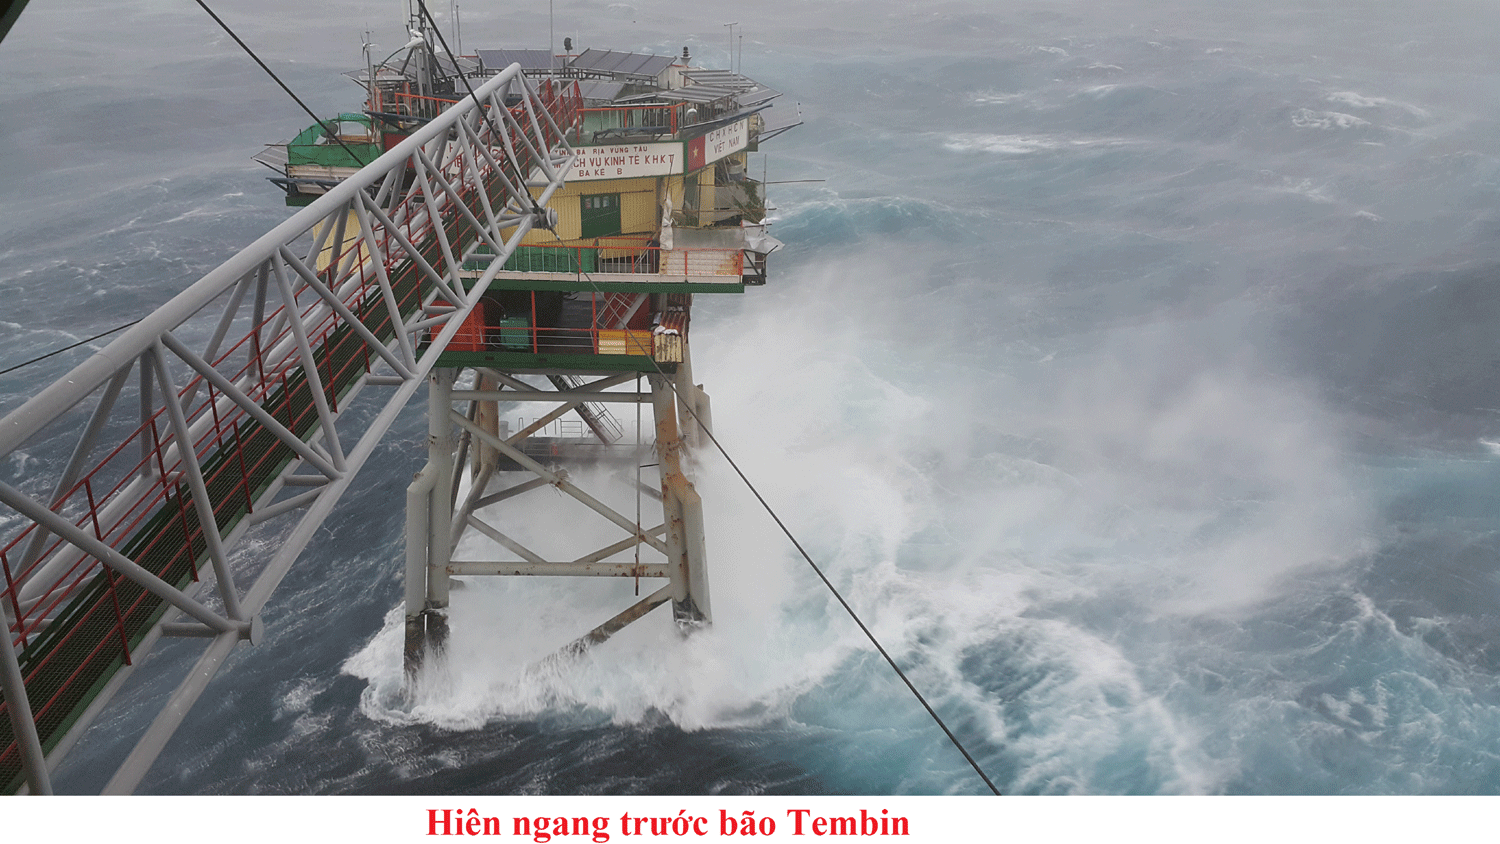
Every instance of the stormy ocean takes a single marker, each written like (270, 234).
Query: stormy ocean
(1130, 368)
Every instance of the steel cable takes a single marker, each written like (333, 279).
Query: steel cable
(332, 135)
(688, 406)
(72, 346)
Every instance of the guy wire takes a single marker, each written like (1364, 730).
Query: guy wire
(325, 127)
(798, 545)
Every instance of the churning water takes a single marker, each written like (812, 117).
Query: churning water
(1132, 371)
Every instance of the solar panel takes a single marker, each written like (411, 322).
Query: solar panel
(625, 64)
(528, 59)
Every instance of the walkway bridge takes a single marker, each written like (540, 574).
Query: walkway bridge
(225, 410)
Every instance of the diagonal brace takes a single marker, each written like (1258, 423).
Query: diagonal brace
(245, 403)
(354, 322)
(99, 550)
(515, 547)
(208, 520)
(556, 480)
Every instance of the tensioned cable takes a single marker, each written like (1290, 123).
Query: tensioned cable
(798, 545)
(826, 582)
(779, 523)
(326, 128)
(318, 120)
(483, 112)
(72, 346)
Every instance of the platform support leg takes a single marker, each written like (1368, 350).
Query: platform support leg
(418, 512)
(485, 456)
(682, 511)
(429, 519)
(441, 444)
(687, 394)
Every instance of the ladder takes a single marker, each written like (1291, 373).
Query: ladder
(603, 423)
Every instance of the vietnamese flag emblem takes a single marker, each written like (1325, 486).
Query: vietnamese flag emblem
(695, 154)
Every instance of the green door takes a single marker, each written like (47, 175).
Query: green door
(601, 215)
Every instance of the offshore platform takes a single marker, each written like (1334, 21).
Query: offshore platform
(508, 229)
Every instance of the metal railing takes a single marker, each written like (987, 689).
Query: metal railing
(622, 256)
(520, 332)
(642, 120)
(146, 511)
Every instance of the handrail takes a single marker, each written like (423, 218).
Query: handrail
(66, 392)
(222, 428)
(628, 257)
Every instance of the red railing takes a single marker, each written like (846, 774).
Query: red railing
(128, 486)
(631, 256)
(521, 334)
(144, 474)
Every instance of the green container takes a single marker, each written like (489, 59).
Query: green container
(513, 332)
(312, 146)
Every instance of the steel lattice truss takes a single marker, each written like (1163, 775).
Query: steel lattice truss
(239, 385)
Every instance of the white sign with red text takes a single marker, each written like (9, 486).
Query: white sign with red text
(726, 141)
(720, 143)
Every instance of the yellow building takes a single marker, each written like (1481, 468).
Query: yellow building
(658, 205)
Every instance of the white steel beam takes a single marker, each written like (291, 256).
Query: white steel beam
(394, 226)
(258, 413)
(556, 480)
(208, 521)
(392, 230)
(545, 569)
(69, 532)
(309, 366)
(509, 492)
(22, 726)
(505, 541)
(574, 397)
(387, 293)
(344, 313)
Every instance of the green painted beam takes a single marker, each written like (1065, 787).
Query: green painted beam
(552, 360)
(617, 287)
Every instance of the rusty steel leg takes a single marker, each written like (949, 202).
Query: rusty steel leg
(682, 512)
(687, 421)
(485, 457)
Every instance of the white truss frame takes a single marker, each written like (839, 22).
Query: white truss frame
(435, 523)
(317, 267)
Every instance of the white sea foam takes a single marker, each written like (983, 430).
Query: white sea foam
(994, 98)
(1306, 118)
(1305, 188)
(1021, 144)
(1350, 98)
(1170, 495)
(299, 695)
(1002, 144)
